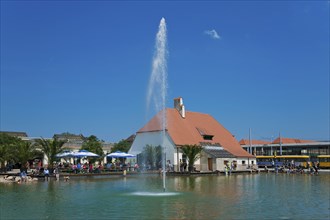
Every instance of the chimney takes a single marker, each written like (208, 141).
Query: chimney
(178, 105)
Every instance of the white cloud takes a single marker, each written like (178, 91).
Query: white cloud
(212, 33)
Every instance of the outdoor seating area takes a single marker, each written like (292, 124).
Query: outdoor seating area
(74, 162)
(85, 169)
(81, 164)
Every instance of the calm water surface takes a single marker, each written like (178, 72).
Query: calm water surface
(257, 196)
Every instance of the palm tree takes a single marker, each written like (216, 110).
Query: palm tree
(24, 152)
(50, 148)
(193, 153)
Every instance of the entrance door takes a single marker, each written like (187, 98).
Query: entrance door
(210, 163)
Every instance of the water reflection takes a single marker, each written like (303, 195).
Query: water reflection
(190, 197)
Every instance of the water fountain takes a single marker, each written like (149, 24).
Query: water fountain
(157, 89)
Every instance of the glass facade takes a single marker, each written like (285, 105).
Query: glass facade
(313, 149)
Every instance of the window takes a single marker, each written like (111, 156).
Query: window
(205, 134)
(208, 137)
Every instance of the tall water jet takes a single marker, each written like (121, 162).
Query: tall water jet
(157, 89)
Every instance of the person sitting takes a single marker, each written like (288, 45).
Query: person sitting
(23, 176)
(90, 170)
(108, 166)
(46, 173)
(85, 168)
(78, 167)
(100, 168)
(136, 167)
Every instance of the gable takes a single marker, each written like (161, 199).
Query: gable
(192, 129)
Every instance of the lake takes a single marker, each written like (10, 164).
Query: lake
(240, 196)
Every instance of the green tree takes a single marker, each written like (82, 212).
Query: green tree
(193, 153)
(24, 152)
(93, 144)
(122, 145)
(8, 146)
(152, 156)
(50, 148)
(4, 155)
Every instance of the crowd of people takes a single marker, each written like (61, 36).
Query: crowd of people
(291, 167)
(80, 168)
(89, 167)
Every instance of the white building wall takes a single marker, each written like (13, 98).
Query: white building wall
(45, 160)
(244, 163)
(220, 164)
(203, 163)
(154, 139)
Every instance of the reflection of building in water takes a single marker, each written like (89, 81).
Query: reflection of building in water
(210, 188)
(192, 128)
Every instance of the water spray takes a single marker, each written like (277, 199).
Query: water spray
(157, 89)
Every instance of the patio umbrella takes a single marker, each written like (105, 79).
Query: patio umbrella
(119, 154)
(64, 154)
(84, 153)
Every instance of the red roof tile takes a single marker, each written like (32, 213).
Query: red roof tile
(188, 130)
(290, 141)
(254, 142)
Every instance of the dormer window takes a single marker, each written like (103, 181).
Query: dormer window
(205, 134)
(208, 137)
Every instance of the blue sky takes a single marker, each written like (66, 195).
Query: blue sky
(84, 66)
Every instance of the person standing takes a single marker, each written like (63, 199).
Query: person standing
(184, 166)
(181, 166)
(226, 170)
(78, 170)
(230, 165)
(57, 174)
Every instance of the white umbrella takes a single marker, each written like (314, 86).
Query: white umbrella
(120, 154)
(64, 154)
(84, 153)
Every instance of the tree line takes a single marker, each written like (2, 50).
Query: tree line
(14, 150)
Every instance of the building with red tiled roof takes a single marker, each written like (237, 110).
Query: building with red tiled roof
(290, 141)
(253, 142)
(192, 128)
(287, 146)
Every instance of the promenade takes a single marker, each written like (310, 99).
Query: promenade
(16, 172)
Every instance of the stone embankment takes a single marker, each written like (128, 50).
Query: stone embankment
(16, 179)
